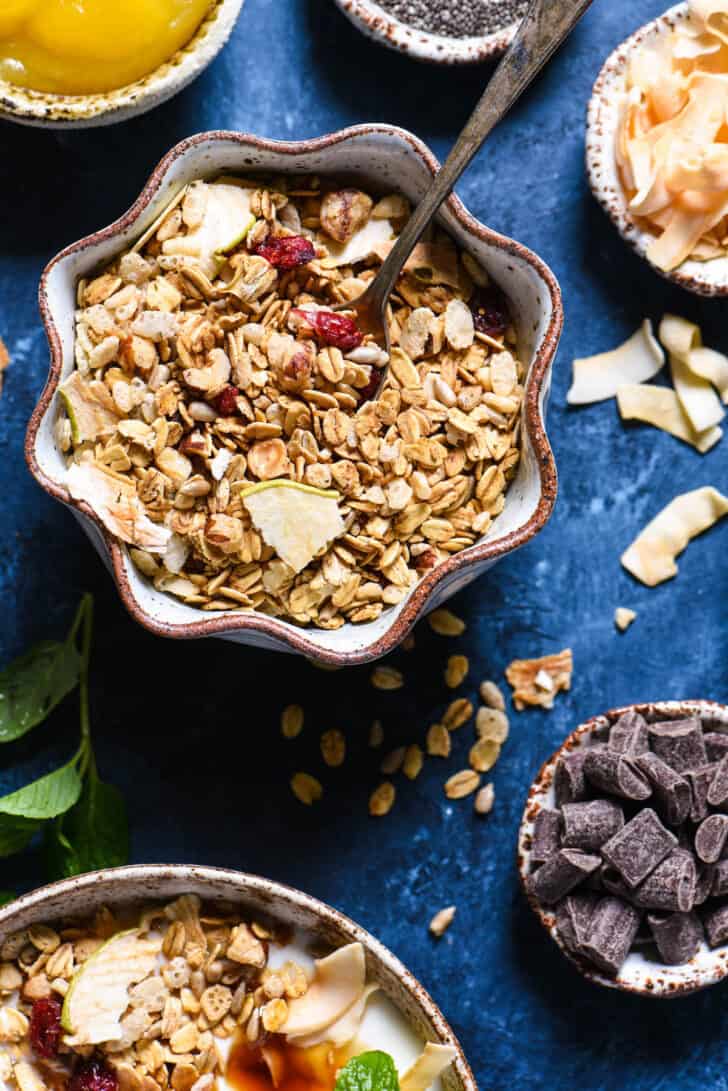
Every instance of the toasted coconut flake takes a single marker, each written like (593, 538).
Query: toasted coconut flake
(660, 406)
(524, 675)
(623, 618)
(337, 985)
(118, 507)
(697, 397)
(651, 557)
(597, 378)
(343, 1030)
(431, 1063)
(710, 365)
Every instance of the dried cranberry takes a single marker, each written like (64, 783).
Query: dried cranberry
(45, 1026)
(93, 1075)
(333, 329)
(490, 311)
(226, 401)
(368, 391)
(288, 252)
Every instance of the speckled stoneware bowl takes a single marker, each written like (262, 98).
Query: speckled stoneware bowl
(641, 975)
(708, 278)
(382, 26)
(385, 158)
(264, 899)
(48, 111)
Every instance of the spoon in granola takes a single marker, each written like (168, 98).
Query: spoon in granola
(544, 27)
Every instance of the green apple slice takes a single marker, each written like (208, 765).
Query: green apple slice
(226, 221)
(296, 520)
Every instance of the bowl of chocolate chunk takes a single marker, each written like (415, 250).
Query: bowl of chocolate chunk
(623, 847)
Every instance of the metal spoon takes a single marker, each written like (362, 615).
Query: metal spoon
(544, 27)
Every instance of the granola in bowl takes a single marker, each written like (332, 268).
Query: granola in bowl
(192, 998)
(233, 430)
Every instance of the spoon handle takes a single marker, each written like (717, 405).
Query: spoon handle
(543, 29)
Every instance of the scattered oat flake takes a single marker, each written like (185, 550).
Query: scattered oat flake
(376, 734)
(413, 761)
(485, 799)
(306, 788)
(291, 721)
(456, 671)
(484, 754)
(491, 723)
(651, 557)
(439, 742)
(491, 695)
(442, 921)
(445, 623)
(392, 762)
(462, 784)
(4, 361)
(457, 713)
(382, 799)
(623, 618)
(522, 675)
(333, 747)
(387, 678)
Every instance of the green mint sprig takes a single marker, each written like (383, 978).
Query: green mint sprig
(82, 818)
(371, 1071)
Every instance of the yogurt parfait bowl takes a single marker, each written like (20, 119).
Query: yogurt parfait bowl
(186, 977)
(227, 439)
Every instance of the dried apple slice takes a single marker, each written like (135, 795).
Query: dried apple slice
(651, 557)
(296, 520)
(225, 223)
(114, 500)
(660, 406)
(98, 994)
(430, 1064)
(337, 985)
(597, 378)
(360, 246)
(89, 418)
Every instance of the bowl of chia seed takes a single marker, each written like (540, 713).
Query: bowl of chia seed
(439, 31)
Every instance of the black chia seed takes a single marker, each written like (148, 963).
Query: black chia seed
(456, 18)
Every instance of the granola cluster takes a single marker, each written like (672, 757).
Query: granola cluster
(210, 981)
(209, 364)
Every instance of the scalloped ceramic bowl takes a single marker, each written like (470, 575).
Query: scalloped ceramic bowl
(265, 899)
(386, 158)
(48, 111)
(707, 278)
(382, 27)
(641, 975)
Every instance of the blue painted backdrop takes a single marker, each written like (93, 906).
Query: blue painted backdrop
(190, 731)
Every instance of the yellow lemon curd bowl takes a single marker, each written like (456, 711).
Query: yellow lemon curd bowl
(65, 65)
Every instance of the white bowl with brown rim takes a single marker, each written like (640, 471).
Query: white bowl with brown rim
(45, 110)
(640, 974)
(706, 278)
(385, 158)
(264, 900)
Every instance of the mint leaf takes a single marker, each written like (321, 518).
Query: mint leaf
(16, 833)
(372, 1071)
(32, 686)
(7, 896)
(93, 834)
(47, 797)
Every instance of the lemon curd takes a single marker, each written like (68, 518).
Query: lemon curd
(78, 47)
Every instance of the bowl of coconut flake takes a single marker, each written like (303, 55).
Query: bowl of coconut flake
(439, 31)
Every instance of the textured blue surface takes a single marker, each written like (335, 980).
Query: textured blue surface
(190, 731)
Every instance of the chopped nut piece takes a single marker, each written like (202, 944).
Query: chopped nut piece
(491, 695)
(445, 623)
(392, 762)
(376, 734)
(413, 761)
(382, 799)
(623, 618)
(333, 747)
(439, 742)
(387, 678)
(306, 788)
(484, 754)
(522, 675)
(461, 784)
(442, 921)
(485, 799)
(456, 671)
(245, 948)
(291, 721)
(457, 713)
(491, 723)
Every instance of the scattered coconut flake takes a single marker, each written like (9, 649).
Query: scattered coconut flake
(362, 245)
(623, 618)
(701, 403)
(296, 520)
(117, 505)
(678, 336)
(338, 984)
(660, 406)
(431, 1063)
(651, 557)
(710, 365)
(522, 675)
(597, 378)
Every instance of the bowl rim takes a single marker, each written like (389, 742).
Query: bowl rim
(47, 109)
(665, 988)
(244, 883)
(274, 628)
(600, 143)
(423, 45)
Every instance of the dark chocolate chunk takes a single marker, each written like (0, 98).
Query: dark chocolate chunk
(715, 922)
(573, 915)
(716, 744)
(614, 774)
(588, 825)
(705, 883)
(710, 837)
(720, 880)
(569, 783)
(560, 874)
(677, 936)
(679, 743)
(671, 886)
(613, 883)
(639, 847)
(612, 928)
(546, 835)
(629, 734)
(699, 781)
(718, 790)
(671, 792)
